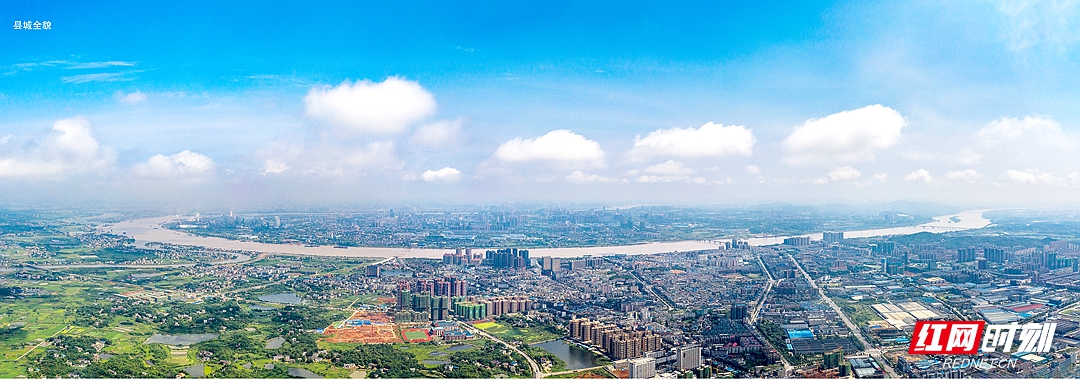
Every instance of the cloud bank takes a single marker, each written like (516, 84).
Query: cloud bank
(446, 174)
(183, 164)
(709, 140)
(848, 136)
(70, 148)
(366, 107)
(562, 146)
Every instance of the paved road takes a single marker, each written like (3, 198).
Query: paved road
(757, 311)
(532, 363)
(43, 342)
(649, 288)
(764, 295)
(870, 350)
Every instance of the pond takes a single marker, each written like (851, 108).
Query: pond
(289, 298)
(196, 370)
(300, 372)
(435, 362)
(275, 343)
(459, 347)
(574, 356)
(181, 339)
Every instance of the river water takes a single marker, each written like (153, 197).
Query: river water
(150, 230)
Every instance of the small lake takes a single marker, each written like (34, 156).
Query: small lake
(459, 347)
(435, 362)
(300, 372)
(181, 339)
(196, 370)
(289, 298)
(574, 356)
(275, 343)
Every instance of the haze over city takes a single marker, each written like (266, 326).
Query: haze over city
(537, 189)
(834, 102)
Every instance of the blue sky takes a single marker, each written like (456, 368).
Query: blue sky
(247, 104)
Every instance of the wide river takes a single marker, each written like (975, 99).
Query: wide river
(150, 230)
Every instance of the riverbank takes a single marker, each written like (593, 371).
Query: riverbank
(149, 230)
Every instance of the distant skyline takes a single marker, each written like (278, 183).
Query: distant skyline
(242, 104)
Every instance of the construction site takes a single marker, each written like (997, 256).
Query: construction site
(369, 327)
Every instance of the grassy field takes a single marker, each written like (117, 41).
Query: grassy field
(859, 312)
(414, 335)
(509, 333)
(425, 351)
(78, 307)
(40, 317)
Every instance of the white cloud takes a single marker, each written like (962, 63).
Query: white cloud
(1007, 129)
(446, 174)
(848, 136)
(437, 134)
(183, 164)
(1032, 141)
(273, 166)
(578, 176)
(97, 77)
(369, 107)
(131, 98)
(921, 175)
(71, 148)
(99, 65)
(671, 167)
(968, 175)
(881, 177)
(710, 140)
(561, 146)
(1030, 176)
(753, 169)
(840, 173)
(1037, 25)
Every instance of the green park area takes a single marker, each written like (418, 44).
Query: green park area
(101, 334)
(519, 329)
